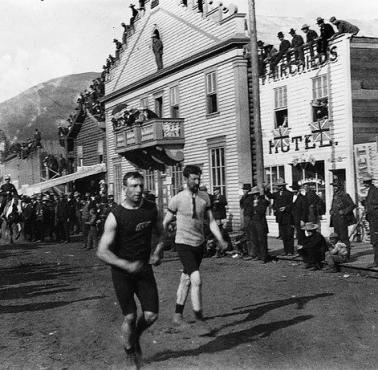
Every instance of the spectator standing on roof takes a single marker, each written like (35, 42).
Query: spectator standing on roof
(297, 44)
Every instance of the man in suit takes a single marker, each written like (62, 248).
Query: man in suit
(283, 205)
(342, 213)
(371, 206)
(299, 212)
(326, 32)
(284, 48)
(258, 225)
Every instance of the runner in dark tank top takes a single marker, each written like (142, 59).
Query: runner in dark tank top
(126, 246)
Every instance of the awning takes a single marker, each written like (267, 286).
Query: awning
(81, 173)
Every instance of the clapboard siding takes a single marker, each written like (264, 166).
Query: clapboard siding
(183, 31)
(88, 137)
(299, 98)
(364, 72)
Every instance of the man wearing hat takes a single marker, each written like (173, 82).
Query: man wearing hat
(371, 207)
(297, 44)
(311, 35)
(326, 32)
(344, 26)
(342, 212)
(299, 212)
(283, 49)
(246, 202)
(157, 48)
(258, 226)
(314, 246)
(283, 205)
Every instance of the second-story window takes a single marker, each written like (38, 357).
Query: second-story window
(80, 157)
(100, 151)
(144, 103)
(320, 98)
(280, 107)
(174, 101)
(211, 93)
(159, 106)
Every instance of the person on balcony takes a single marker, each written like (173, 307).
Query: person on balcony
(326, 32)
(344, 26)
(297, 44)
(283, 50)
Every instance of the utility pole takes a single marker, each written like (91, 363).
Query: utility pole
(259, 155)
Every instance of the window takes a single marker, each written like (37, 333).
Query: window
(271, 175)
(149, 180)
(174, 101)
(118, 182)
(144, 103)
(80, 160)
(211, 93)
(159, 106)
(100, 151)
(280, 106)
(217, 169)
(176, 178)
(320, 98)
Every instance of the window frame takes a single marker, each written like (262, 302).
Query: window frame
(211, 92)
(174, 101)
(280, 106)
(320, 96)
(217, 173)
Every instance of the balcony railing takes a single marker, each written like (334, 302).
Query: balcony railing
(162, 131)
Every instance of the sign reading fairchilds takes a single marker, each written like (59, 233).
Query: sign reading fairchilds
(291, 68)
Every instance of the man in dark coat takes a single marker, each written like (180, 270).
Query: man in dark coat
(283, 205)
(314, 247)
(246, 202)
(62, 219)
(258, 225)
(342, 213)
(344, 26)
(311, 36)
(326, 32)
(283, 50)
(297, 44)
(218, 203)
(299, 212)
(371, 206)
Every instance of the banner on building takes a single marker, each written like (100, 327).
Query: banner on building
(366, 161)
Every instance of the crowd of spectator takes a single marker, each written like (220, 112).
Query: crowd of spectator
(293, 51)
(25, 148)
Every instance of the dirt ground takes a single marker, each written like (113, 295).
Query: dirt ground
(58, 311)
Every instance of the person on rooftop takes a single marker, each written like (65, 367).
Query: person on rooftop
(297, 44)
(326, 32)
(344, 26)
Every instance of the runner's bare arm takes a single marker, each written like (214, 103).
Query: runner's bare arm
(105, 254)
(157, 255)
(167, 220)
(215, 230)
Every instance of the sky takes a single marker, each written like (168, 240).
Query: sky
(45, 39)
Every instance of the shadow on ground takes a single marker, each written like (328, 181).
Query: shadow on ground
(228, 341)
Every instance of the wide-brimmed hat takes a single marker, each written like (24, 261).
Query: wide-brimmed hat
(280, 34)
(367, 177)
(292, 30)
(333, 235)
(255, 190)
(332, 19)
(260, 43)
(319, 20)
(280, 181)
(309, 226)
(305, 26)
(247, 187)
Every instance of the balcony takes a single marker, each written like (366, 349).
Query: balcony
(167, 132)
(153, 143)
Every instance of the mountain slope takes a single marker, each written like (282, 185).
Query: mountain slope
(43, 106)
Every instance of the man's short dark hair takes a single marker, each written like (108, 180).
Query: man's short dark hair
(191, 169)
(131, 175)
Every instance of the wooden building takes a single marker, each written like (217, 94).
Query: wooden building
(314, 114)
(198, 89)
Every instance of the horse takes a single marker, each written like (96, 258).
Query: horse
(11, 214)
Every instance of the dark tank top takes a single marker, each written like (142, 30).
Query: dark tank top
(134, 228)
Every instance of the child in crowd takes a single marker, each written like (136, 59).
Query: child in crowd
(337, 253)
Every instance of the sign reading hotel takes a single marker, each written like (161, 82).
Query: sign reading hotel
(311, 62)
(320, 137)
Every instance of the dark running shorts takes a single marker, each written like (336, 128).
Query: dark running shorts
(142, 284)
(190, 257)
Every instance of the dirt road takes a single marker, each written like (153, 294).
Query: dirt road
(58, 311)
